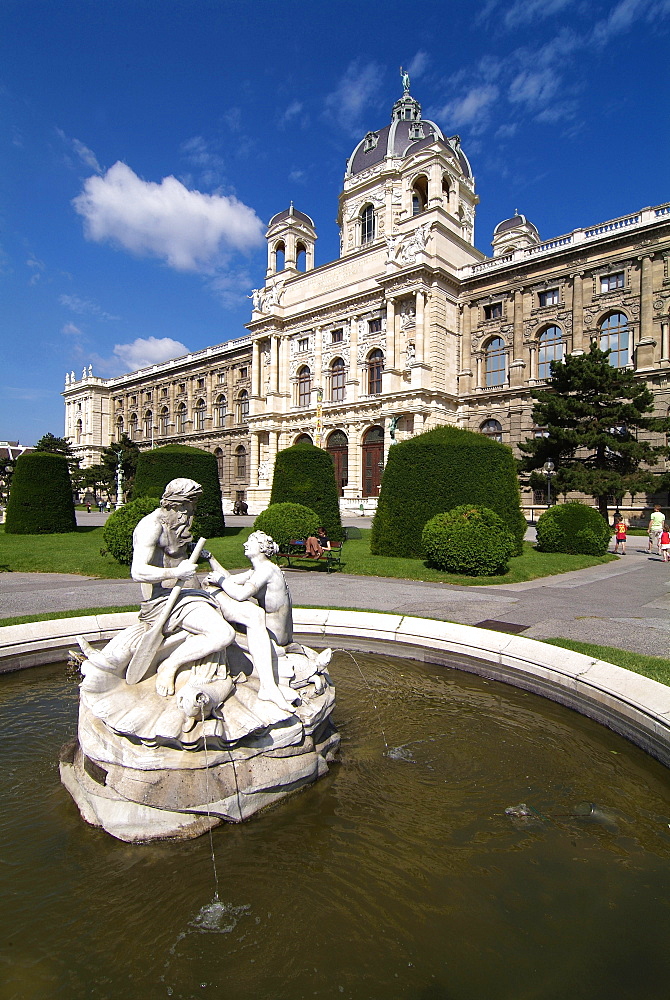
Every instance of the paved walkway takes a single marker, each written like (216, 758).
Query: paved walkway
(624, 603)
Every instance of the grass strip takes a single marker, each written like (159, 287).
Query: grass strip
(48, 616)
(655, 667)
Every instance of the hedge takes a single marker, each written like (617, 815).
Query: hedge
(573, 528)
(286, 521)
(437, 471)
(305, 474)
(469, 540)
(118, 530)
(40, 499)
(156, 468)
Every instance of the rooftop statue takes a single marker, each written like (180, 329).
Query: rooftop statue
(209, 675)
(405, 80)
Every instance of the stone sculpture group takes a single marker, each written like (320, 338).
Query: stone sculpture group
(206, 709)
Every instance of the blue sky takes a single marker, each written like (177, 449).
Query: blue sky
(146, 144)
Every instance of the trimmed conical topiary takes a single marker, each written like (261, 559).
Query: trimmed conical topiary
(305, 474)
(156, 468)
(40, 499)
(437, 471)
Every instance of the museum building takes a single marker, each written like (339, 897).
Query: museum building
(411, 327)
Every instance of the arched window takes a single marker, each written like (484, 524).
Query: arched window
(301, 256)
(495, 362)
(303, 439)
(375, 368)
(614, 337)
(243, 407)
(550, 348)
(280, 255)
(367, 225)
(446, 190)
(164, 422)
(132, 427)
(304, 386)
(419, 195)
(337, 447)
(78, 431)
(181, 418)
(220, 408)
(241, 462)
(220, 465)
(492, 429)
(119, 428)
(148, 425)
(199, 415)
(337, 375)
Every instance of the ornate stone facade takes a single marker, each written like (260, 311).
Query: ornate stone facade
(411, 323)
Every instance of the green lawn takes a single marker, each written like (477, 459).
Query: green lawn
(655, 667)
(79, 553)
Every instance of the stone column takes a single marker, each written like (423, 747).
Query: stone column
(353, 380)
(420, 324)
(579, 340)
(665, 346)
(256, 368)
(274, 363)
(254, 448)
(478, 380)
(532, 361)
(517, 365)
(646, 299)
(318, 356)
(390, 334)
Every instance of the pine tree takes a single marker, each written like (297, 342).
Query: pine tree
(591, 413)
(130, 454)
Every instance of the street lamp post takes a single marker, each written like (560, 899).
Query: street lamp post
(119, 480)
(549, 469)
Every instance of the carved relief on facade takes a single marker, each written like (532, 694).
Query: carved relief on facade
(407, 312)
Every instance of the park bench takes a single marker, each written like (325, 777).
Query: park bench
(295, 555)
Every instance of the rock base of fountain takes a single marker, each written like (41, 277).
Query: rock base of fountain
(137, 804)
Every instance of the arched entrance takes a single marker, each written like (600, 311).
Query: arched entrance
(373, 460)
(337, 447)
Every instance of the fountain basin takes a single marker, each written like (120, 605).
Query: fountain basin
(634, 706)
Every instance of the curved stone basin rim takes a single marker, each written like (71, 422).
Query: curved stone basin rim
(634, 706)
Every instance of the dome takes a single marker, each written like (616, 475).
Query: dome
(517, 221)
(290, 213)
(407, 133)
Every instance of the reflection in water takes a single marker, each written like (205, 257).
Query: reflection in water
(399, 875)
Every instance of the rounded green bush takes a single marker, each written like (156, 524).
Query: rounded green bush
(157, 467)
(40, 497)
(305, 475)
(470, 540)
(119, 526)
(573, 528)
(286, 521)
(437, 471)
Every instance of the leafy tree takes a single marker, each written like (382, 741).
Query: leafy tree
(130, 454)
(57, 446)
(98, 479)
(591, 413)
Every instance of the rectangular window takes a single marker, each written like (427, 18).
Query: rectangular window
(303, 344)
(201, 383)
(148, 397)
(610, 282)
(133, 400)
(222, 377)
(182, 387)
(243, 372)
(336, 337)
(375, 325)
(164, 392)
(494, 311)
(549, 298)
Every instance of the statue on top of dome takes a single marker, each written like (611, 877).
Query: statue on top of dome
(405, 79)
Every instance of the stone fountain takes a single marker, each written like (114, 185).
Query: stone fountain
(205, 710)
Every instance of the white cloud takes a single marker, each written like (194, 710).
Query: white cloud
(356, 91)
(534, 89)
(418, 64)
(147, 351)
(298, 176)
(525, 11)
(83, 153)
(37, 268)
(189, 230)
(201, 154)
(84, 307)
(294, 114)
(70, 330)
(471, 107)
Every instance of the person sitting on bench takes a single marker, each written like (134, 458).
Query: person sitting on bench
(317, 544)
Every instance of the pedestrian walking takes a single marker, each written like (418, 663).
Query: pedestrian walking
(620, 530)
(656, 525)
(665, 544)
